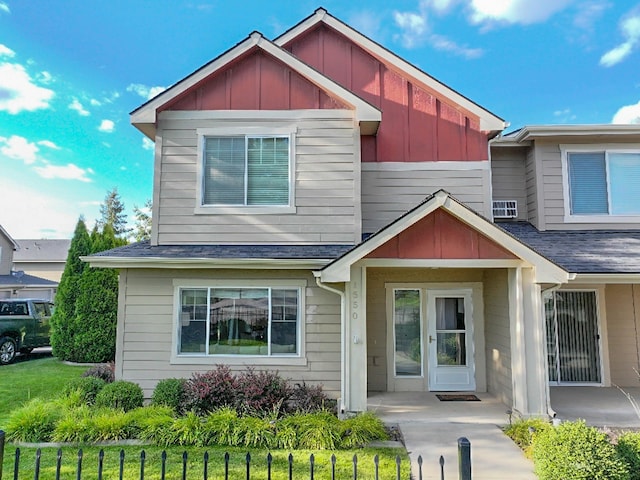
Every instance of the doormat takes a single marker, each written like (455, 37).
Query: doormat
(457, 397)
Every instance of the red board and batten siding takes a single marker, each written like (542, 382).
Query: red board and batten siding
(255, 81)
(416, 124)
(441, 236)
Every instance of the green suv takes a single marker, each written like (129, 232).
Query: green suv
(24, 325)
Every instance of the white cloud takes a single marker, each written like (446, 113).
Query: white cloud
(19, 148)
(4, 8)
(148, 144)
(145, 91)
(45, 77)
(564, 116)
(78, 107)
(18, 92)
(524, 12)
(107, 126)
(413, 26)
(630, 28)
(95, 103)
(366, 22)
(440, 6)
(442, 43)
(49, 144)
(628, 114)
(589, 12)
(66, 172)
(6, 51)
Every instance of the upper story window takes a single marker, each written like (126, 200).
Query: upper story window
(246, 172)
(603, 184)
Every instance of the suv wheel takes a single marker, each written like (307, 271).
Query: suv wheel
(7, 350)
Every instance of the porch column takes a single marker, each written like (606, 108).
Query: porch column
(528, 360)
(356, 342)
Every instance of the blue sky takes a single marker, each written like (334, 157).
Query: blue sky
(72, 70)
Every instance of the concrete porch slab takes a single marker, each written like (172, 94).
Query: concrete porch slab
(431, 428)
(597, 406)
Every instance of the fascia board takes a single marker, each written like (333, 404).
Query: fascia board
(488, 121)
(11, 240)
(542, 131)
(179, 263)
(606, 278)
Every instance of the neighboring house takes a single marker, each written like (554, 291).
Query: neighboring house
(16, 283)
(324, 208)
(42, 258)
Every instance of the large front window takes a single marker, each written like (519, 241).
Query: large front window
(239, 321)
(604, 182)
(245, 170)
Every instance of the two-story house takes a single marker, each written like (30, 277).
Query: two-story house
(324, 208)
(15, 282)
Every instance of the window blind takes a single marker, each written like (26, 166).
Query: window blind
(588, 183)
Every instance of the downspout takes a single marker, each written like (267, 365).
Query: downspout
(344, 374)
(550, 411)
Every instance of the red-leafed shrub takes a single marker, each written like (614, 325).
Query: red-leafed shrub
(260, 392)
(206, 392)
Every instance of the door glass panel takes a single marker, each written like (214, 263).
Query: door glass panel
(552, 342)
(572, 327)
(408, 344)
(450, 331)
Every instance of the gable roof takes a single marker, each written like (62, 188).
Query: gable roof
(144, 117)
(21, 279)
(8, 237)
(488, 120)
(30, 250)
(546, 270)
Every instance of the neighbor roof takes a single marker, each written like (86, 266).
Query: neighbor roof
(42, 250)
(583, 251)
(21, 279)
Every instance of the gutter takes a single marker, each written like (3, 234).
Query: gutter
(344, 372)
(550, 411)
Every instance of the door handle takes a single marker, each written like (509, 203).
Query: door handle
(430, 339)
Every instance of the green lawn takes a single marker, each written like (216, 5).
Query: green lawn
(39, 377)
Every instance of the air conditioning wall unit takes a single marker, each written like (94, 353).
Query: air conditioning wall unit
(505, 208)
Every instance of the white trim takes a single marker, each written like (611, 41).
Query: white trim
(145, 116)
(425, 166)
(392, 342)
(605, 278)
(488, 121)
(285, 131)
(298, 358)
(590, 130)
(605, 148)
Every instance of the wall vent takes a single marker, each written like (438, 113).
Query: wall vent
(505, 208)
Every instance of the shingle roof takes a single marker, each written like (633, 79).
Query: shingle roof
(22, 279)
(41, 250)
(583, 251)
(302, 252)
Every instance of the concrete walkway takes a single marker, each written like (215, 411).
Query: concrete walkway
(431, 428)
(598, 406)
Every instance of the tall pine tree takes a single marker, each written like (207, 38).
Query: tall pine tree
(62, 322)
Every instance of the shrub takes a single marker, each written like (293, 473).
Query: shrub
(314, 431)
(220, 427)
(309, 398)
(206, 392)
(256, 432)
(75, 426)
(260, 392)
(33, 422)
(628, 448)
(120, 394)
(170, 393)
(152, 422)
(104, 371)
(574, 450)
(109, 424)
(519, 432)
(87, 387)
(187, 430)
(363, 428)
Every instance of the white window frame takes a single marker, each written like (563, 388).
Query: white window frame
(284, 359)
(569, 217)
(285, 131)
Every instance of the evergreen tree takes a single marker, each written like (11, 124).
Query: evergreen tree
(96, 307)
(112, 213)
(62, 322)
(142, 228)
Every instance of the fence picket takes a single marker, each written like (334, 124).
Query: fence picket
(121, 467)
(79, 470)
(355, 467)
(291, 466)
(143, 456)
(376, 462)
(226, 466)
(163, 464)
(248, 466)
(58, 463)
(36, 474)
(441, 467)
(184, 465)
(312, 461)
(269, 460)
(100, 463)
(419, 467)
(333, 467)
(205, 472)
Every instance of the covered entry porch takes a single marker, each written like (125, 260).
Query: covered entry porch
(443, 300)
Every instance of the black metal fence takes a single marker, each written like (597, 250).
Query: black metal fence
(464, 465)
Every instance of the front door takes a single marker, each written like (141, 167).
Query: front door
(450, 340)
(433, 342)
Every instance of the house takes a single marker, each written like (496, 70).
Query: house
(17, 283)
(324, 208)
(43, 258)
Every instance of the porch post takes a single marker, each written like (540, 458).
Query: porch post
(528, 361)
(356, 342)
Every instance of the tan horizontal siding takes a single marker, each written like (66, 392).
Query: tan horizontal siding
(149, 324)
(509, 179)
(388, 193)
(325, 181)
(623, 327)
